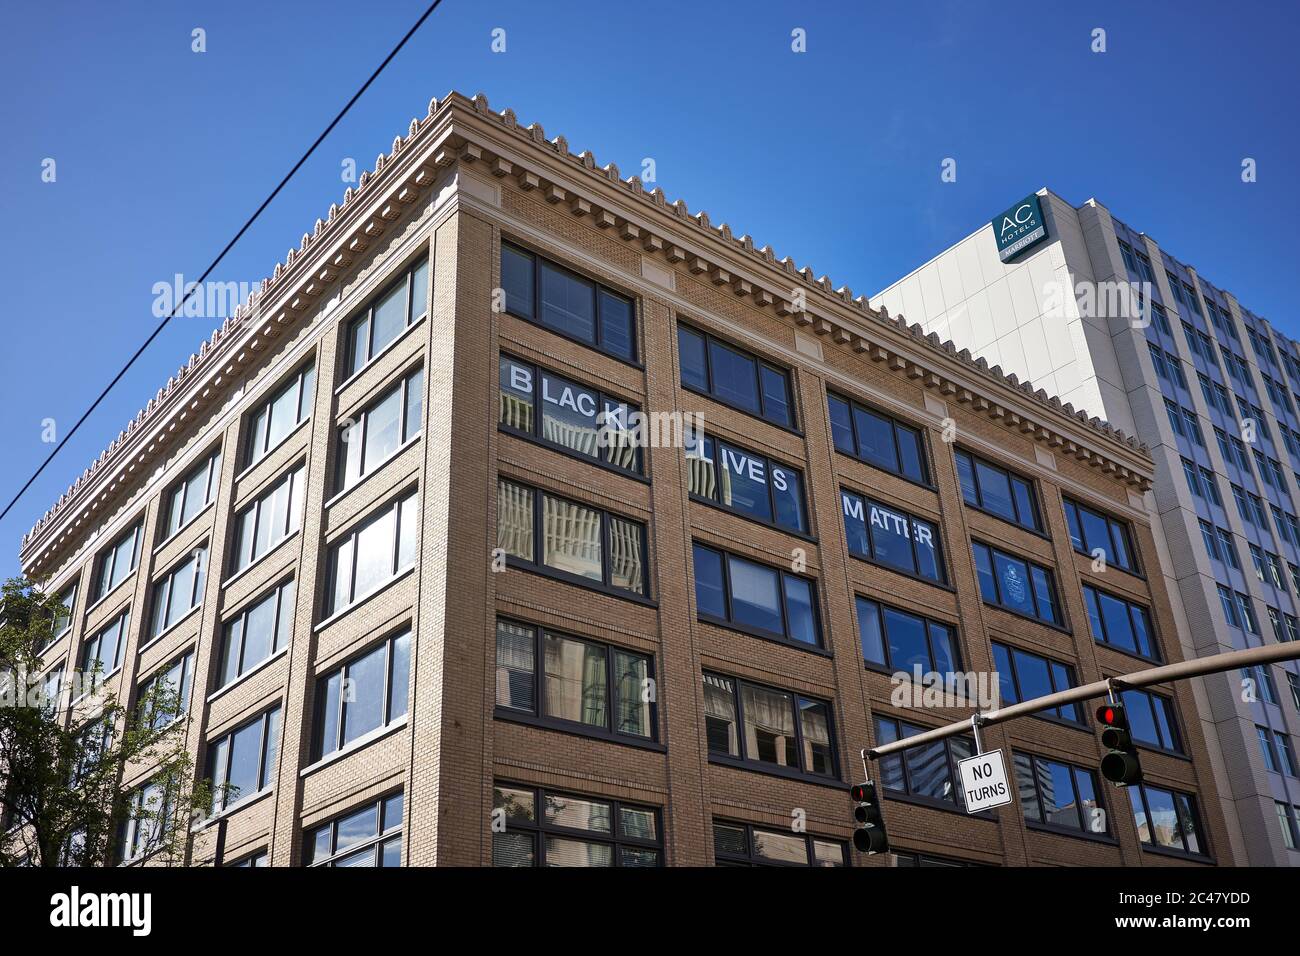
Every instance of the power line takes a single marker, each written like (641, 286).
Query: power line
(215, 262)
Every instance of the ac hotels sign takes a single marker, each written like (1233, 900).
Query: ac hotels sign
(1019, 228)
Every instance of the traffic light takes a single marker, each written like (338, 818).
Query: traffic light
(1120, 765)
(869, 836)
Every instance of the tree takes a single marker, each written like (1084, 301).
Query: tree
(66, 746)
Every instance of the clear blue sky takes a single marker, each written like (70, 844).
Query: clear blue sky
(831, 156)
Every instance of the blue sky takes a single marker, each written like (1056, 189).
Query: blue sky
(832, 156)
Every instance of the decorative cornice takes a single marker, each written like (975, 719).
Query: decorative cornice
(465, 131)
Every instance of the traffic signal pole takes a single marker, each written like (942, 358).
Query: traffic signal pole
(1197, 667)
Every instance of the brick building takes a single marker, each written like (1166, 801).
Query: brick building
(435, 595)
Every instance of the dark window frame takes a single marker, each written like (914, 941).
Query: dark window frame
(751, 858)
(769, 464)
(760, 363)
(538, 715)
(1036, 524)
(746, 762)
(1046, 825)
(1057, 625)
(538, 260)
(1113, 525)
(535, 435)
(731, 624)
(537, 565)
(888, 666)
(1140, 790)
(538, 829)
(908, 794)
(1103, 639)
(925, 481)
(912, 537)
(1071, 675)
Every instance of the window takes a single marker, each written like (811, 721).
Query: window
(734, 377)
(1276, 750)
(901, 641)
(1024, 676)
(117, 562)
(241, 763)
(102, 653)
(892, 538)
(599, 688)
(754, 597)
(577, 308)
(193, 493)
(1230, 556)
(374, 553)
(927, 773)
(1059, 795)
(1015, 585)
(1287, 822)
(763, 726)
(368, 837)
(258, 860)
(1293, 681)
(393, 311)
(877, 439)
(1151, 720)
(563, 414)
(275, 418)
(993, 489)
(148, 820)
(547, 828)
(905, 858)
(257, 632)
(269, 520)
(579, 543)
(1092, 531)
(1120, 624)
(180, 591)
(747, 483)
(165, 695)
(1166, 819)
(365, 694)
(380, 430)
(739, 844)
(66, 601)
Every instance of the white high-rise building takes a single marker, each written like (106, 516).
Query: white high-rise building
(1097, 313)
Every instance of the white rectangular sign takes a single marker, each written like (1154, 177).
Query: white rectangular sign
(984, 781)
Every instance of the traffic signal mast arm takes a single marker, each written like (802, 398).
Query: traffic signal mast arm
(1197, 667)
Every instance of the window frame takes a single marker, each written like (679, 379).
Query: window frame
(1057, 625)
(296, 380)
(185, 692)
(770, 464)
(597, 287)
(163, 592)
(1036, 526)
(361, 423)
(751, 858)
(1172, 719)
(868, 504)
(760, 363)
(106, 562)
(926, 479)
(538, 566)
(388, 722)
(909, 795)
(1157, 654)
(535, 436)
(121, 622)
(366, 314)
(734, 625)
(292, 477)
(1043, 823)
(1113, 525)
(888, 666)
(538, 828)
(1139, 791)
(538, 716)
(211, 463)
(211, 749)
(1071, 675)
(745, 762)
(241, 616)
(386, 832)
(408, 497)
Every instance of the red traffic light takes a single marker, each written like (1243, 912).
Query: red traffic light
(862, 793)
(1106, 715)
